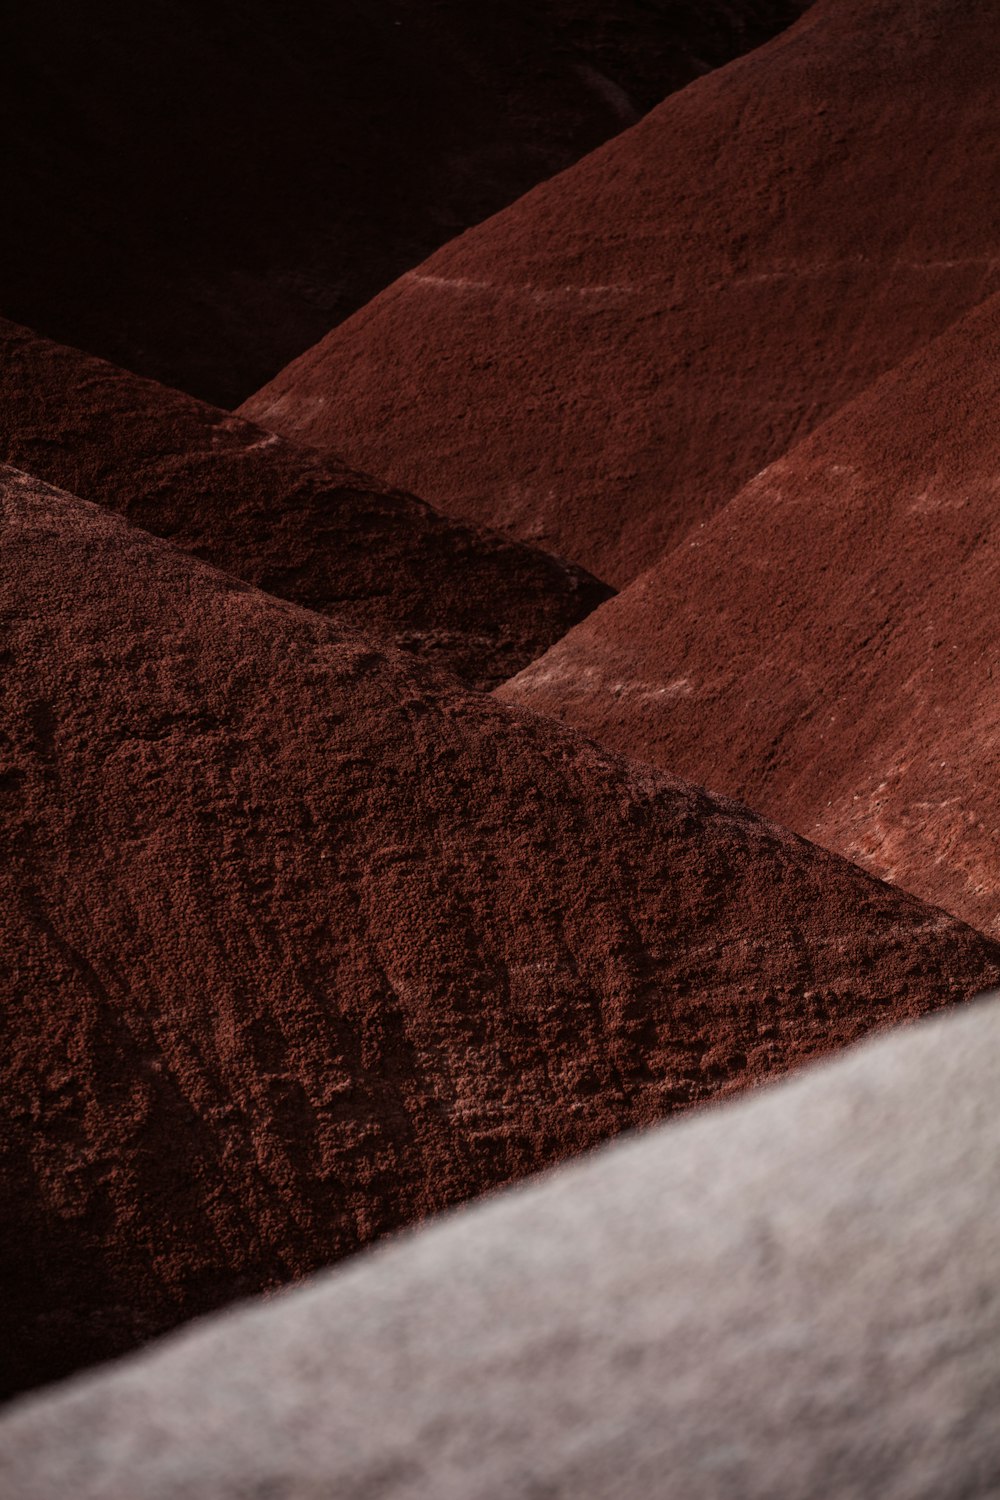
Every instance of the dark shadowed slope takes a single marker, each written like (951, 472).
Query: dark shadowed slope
(796, 1295)
(606, 363)
(199, 190)
(302, 527)
(307, 942)
(828, 646)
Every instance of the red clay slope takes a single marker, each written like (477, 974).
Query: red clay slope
(606, 363)
(199, 190)
(304, 528)
(308, 942)
(828, 646)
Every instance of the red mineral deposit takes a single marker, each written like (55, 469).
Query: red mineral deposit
(297, 525)
(827, 647)
(200, 190)
(602, 366)
(307, 942)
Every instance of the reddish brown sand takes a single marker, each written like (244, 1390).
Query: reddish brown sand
(606, 363)
(199, 190)
(277, 516)
(828, 646)
(308, 942)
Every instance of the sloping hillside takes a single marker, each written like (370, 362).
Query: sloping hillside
(827, 647)
(790, 1297)
(199, 190)
(602, 366)
(305, 528)
(306, 942)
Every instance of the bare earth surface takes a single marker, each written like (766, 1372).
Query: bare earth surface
(605, 364)
(307, 942)
(198, 191)
(305, 528)
(827, 648)
(790, 1297)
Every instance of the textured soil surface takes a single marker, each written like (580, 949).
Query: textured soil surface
(827, 648)
(307, 941)
(304, 528)
(602, 366)
(792, 1296)
(199, 191)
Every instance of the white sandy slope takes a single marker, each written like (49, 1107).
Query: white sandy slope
(797, 1295)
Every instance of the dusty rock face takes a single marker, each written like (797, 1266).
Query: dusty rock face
(304, 528)
(306, 942)
(792, 1296)
(602, 366)
(198, 191)
(827, 647)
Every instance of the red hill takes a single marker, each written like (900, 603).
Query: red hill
(199, 190)
(307, 942)
(603, 365)
(827, 647)
(294, 524)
